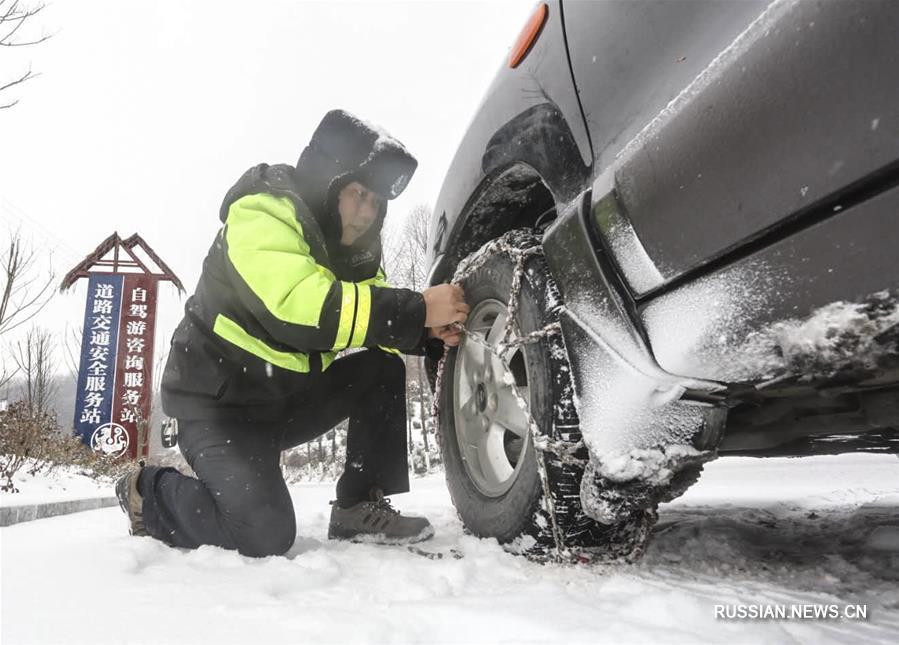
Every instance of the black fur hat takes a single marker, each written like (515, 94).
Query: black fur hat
(344, 148)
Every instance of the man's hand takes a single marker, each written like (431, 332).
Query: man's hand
(445, 305)
(449, 334)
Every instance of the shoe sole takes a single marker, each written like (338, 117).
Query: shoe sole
(380, 538)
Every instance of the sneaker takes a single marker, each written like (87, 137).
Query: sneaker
(131, 501)
(378, 522)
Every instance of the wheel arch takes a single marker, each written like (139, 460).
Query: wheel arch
(513, 196)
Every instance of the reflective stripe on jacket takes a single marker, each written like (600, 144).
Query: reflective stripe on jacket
(269, 314)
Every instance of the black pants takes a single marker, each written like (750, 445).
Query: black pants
(240, 500)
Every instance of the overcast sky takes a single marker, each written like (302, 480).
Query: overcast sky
(144, 114)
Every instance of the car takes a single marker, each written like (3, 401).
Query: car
(676, 226)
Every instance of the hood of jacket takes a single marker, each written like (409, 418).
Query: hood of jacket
(342, 149)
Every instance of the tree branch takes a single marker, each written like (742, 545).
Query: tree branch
(12, 17)
(18, 267)
(27, 75)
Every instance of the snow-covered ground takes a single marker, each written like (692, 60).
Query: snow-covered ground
(62, 484)
(816, 531)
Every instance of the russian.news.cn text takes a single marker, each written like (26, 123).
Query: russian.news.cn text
(791, 612)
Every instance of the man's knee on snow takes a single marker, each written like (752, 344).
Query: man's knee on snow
(265, 533)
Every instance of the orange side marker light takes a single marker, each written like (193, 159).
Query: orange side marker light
(528, 35)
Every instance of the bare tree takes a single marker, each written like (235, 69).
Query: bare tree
(25, 292)
(27, 288)
(34, 356)
(156, 412)
(71, 343)
(6, 374)
(409, 248)
(13, 15)
(405, 255)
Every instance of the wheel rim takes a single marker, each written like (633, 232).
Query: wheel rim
(491, 428)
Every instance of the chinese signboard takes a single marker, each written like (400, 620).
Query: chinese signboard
(113, 401)
(112, 409)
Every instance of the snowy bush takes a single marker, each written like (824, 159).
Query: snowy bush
(31, 439)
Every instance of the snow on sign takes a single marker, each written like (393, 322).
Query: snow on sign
(112, 406)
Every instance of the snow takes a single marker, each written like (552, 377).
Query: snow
(706, 329)
(839, 336)
(62, 484)
(639, 269)
(651, 465)
(632, 406)
(884, 538)
(701, 328)
(819, 530)
(383, 140)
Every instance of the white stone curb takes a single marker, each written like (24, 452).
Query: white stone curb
(26, 512)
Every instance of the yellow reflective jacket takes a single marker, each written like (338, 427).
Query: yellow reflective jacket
(269, 312)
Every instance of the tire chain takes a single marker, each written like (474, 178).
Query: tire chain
(564, 451)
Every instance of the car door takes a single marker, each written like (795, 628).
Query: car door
(714, 124)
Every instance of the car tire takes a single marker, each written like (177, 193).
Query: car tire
(515, 510)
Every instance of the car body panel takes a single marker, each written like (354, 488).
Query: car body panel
(630, 60)
(597, 322)
(788, 114)
(793, 115)
(537, 125)
(705, 328)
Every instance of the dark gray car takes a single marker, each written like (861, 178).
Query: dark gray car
(676, 224)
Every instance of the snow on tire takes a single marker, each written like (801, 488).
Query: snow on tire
(493, 469)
